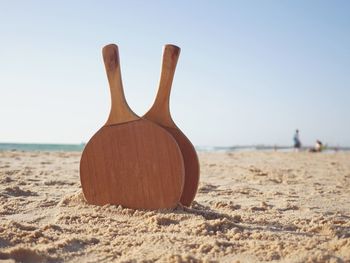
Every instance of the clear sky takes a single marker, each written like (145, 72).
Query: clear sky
(250, 72)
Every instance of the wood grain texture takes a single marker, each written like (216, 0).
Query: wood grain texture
(160, 114)
(130, 161)
(120, 110)
(127, 165)
(191, 163)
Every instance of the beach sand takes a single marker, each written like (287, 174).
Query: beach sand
(250, 207)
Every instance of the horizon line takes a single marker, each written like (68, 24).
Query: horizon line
(203, 146)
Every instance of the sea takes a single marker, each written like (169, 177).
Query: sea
(80, 147)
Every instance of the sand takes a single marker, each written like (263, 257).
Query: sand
(250, 207)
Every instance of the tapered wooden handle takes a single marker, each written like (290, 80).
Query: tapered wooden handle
(120, 110)
(160, 111)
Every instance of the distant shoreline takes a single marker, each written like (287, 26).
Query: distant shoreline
(79, 147)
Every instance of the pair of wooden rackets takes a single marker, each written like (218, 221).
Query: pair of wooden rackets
(139, 162)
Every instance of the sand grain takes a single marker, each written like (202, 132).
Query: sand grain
(250, 207)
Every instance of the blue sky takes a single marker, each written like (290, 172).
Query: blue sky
(250, 72)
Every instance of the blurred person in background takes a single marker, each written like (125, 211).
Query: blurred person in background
(296, 139)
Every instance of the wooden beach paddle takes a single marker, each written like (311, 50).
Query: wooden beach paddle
(160, 114)
(130, 161)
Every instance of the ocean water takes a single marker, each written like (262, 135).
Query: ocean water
(41, 147)
(80, 147)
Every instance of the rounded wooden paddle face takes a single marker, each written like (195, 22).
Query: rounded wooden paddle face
(191, 163)
(136, 164)
(159, 113)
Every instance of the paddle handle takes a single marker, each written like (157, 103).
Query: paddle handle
(160, 110)
(120, 110)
